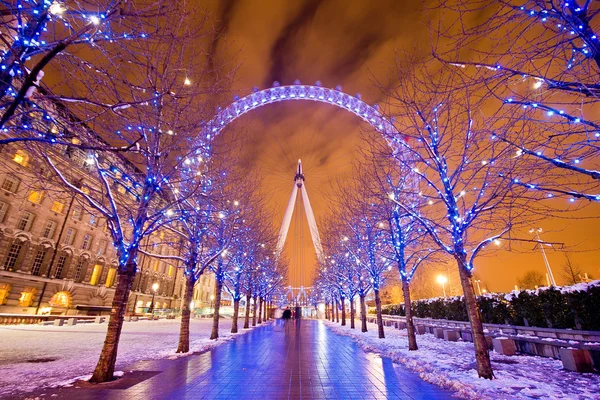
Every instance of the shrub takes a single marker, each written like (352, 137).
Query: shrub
(570, 307)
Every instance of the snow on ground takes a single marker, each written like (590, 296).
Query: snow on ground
(452, 366)
(75, 349)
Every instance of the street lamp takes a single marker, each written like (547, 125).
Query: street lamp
(537, 232)
(154, 289)
(442, 281)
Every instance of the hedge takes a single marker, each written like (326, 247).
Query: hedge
(567, 307)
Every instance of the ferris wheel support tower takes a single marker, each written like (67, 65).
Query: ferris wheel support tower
(299, 185)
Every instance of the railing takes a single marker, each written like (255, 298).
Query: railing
(563, 334)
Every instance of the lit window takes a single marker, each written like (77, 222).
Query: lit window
(21, 157)
(4, 292)
(75, 141)
(36, 196)
(11, 183)
(26, 220)
(57, 207)
(26, 299)
(38, 261)
(95, 274)
(70, 236)
(110, 279)
(121, 189)
(77, 213)
(49, 229)
(155, 267)
(61, 299)
(3, 210)
(171, 268)
(87, 241)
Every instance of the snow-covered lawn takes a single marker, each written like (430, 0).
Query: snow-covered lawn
(75, 349)
(452, 366)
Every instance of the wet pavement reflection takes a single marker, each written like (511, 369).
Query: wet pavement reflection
(283, 360)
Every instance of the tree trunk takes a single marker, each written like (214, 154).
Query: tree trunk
(247, 316)
(337, 311)
(260, 307)
(236, 309)
(410, 327)
(379, 317)
(108, 357)
(363, 313)
(215, 328)
(343, 312)
(327, 311)
(184, 329)
(332, 312)
(352, 314)
(482, 356)
(254, 312)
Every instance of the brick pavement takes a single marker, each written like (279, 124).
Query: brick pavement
(284, 360)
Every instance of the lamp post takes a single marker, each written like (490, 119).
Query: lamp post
(551, 280)
(154, 289)
(442, 281)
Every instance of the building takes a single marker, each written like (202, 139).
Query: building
(57, 258)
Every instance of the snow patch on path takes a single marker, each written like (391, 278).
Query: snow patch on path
(451, 365)
(37, 356)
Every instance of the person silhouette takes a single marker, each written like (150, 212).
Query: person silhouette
(287, 314)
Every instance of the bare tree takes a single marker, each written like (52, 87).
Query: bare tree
(466, 176)
(531, 280)
(45, 35)
(542, 60)
(571, 272)
(135, 194)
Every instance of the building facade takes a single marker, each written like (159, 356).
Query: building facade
(56, 257)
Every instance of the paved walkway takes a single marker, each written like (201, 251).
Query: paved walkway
(285, 360)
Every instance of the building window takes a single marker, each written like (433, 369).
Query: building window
(49, 229)
(121, 189)
(96, 274)
(21, 157)
(11, 183)
(57, 207)
(4, 292)
(171, 269)
(102, 247)
(3, 210)
(79, 269)
(60, 299)
(26, 299)
(93, 220)
(35, 196)
(110, 279)
(38, 261)
(60, 266)
(87, 242)
(26, 220)
(70, 236)
(77, 213)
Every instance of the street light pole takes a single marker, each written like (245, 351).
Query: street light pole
(546, 262)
